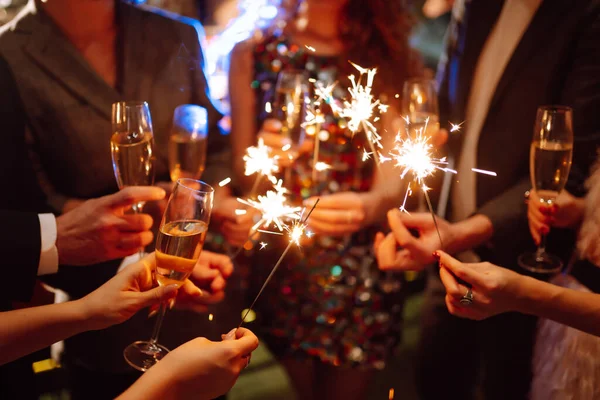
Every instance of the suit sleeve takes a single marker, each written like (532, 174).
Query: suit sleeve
(218, 155)
(20, 245)
(580, 92)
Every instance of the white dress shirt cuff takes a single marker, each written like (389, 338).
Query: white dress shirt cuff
(49, 253)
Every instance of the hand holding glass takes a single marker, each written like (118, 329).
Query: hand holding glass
(550, 163)
(178, 247)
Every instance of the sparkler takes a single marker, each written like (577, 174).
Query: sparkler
(295, 232)
(361, 111)
(414, 154)
(258, 160)
(273, 209)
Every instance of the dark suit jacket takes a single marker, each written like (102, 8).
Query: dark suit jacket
(68, 109)
(556, 62)
(20, 236)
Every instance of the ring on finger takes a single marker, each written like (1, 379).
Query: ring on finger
(467, 299)
(527, 194)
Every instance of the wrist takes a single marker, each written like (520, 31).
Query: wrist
(372, 206)
(81, 314)
(469, 233)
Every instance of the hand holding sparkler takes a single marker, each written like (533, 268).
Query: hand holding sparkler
(233, 220)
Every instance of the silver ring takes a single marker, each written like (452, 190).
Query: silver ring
(467, 299)
(527, 194)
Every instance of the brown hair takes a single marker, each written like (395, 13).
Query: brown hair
(375, 34)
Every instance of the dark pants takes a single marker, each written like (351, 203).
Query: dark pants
(458, 355)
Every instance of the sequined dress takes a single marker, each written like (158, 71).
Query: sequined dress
(328, 299)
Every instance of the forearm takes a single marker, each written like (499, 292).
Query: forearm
(580, 310)
(28, 330)
(470, 233)
(157, 383)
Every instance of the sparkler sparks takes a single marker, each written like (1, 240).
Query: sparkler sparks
(362, 110)
(273, 208)
(224, 182)
(263, 245)
(455, 127)
(258, 159)
(321, 166)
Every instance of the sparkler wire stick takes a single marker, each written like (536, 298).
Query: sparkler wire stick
(256, 185)
(434, 219)
(289, 246)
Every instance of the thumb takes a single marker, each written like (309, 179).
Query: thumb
(133, 194)
(157, 295)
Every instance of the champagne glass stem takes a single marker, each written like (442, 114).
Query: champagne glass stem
(541, 250)
(137, 209)
(159, 320)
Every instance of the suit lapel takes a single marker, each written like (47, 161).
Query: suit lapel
(49, 49)
(543, 24)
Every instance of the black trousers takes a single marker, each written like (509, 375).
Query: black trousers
(459, 358)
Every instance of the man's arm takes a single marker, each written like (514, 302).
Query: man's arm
(20, 243)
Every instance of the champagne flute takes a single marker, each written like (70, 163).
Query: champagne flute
(187, 143)
(178, 246)
(132, 145)
(420, 103)
(549, 166)
(289, 107)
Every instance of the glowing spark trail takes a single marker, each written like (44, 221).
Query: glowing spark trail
(360, 110)
(273, 208)
(258, 159)
(224, 182)
(296, 232)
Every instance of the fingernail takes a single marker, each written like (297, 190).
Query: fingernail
(230, 335)
(152, 313)
(171, 289)
(171, 304)
(436, 255)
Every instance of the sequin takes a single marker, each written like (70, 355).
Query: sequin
(325, 300)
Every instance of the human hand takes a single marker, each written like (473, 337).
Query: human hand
(270, 133)
(124, 295)
(565, 211)
(416, 252)
(210, 275)
(339, 214)
(99, 230)
(205, 286)
(199, 369)
(493, 288)
(235, 228)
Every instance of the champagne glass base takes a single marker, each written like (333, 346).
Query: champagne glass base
(540, 263)
(142, 355)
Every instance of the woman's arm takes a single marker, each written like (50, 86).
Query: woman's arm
(581, 310)
(497, 290)
(27, 330)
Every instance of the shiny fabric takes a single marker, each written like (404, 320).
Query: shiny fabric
(327, 300)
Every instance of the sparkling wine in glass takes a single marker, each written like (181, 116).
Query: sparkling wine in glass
(131, 146)
(187, 142)
(289, 106)
(549, 166)
(420, 102)
(178, 246)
